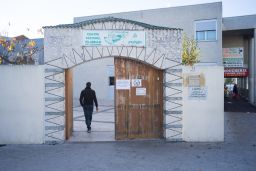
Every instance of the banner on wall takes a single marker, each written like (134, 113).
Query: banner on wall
(197, 93)
(233, 57)
(114, 38)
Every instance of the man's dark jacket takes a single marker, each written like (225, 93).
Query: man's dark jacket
(87, 97)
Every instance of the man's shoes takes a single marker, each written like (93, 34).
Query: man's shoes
(89, 130)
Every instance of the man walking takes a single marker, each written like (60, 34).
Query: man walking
(87, 97)
(235, 92)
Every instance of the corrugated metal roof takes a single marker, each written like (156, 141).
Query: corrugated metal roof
(109, 19)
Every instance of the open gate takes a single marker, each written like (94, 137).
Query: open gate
(65, 48)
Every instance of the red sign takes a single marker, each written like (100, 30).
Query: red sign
(236, 72)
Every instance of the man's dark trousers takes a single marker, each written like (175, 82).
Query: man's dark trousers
(88, 110)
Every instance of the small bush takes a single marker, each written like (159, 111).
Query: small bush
(190, 51)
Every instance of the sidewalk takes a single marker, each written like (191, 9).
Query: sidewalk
(238, 105)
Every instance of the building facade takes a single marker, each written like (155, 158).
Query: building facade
(203, 21)
(239, 33)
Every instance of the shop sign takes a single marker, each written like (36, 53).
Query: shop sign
(114, 38)
(233, 57)
(236, 72)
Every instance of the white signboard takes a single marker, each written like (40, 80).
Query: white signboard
(123, 84)
(114, 38)
(197, 93)
(136, 82)
(233, 57)
(141, 92)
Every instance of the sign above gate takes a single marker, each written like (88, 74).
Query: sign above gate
(114, 38)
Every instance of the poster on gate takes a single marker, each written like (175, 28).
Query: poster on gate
(141, 91)
(123, 85)
(136, 82)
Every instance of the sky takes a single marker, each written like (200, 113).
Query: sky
(27, 17)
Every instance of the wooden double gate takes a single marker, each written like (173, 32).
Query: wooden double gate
(137, 114)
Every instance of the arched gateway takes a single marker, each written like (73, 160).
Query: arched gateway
(69, 45)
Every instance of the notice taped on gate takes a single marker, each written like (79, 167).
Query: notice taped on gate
(123, 85)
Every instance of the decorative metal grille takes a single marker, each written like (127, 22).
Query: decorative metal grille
(173, 103)
(54, 101)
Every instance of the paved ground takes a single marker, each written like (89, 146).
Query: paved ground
(238, 152)
(103, 123)
(238, 105)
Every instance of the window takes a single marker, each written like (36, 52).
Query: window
(111, 81)
(206, 30)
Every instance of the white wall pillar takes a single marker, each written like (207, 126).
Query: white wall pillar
(203, 117)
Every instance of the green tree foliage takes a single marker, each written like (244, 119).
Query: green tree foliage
(190, 51)
(229, 81)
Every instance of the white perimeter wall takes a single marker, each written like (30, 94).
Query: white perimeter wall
(21, 104)
(203, 120)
